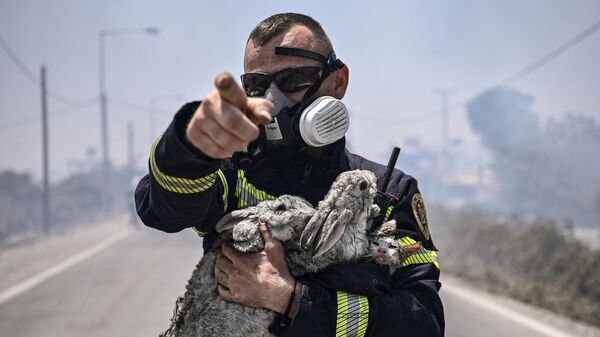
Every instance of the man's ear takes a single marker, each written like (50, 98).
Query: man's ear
(342, 77)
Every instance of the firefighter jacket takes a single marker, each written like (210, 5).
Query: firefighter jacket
(187, 189)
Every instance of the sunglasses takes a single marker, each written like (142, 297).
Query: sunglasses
(288, 80)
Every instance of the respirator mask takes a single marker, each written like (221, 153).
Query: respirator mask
(314, 122)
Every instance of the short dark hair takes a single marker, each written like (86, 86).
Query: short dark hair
(276, 24)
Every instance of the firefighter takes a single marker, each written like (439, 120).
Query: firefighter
(241, 145)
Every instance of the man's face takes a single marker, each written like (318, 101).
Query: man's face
(263, 59)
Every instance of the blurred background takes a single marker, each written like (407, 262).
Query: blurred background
(494, 104)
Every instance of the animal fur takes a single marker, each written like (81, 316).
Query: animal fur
(334, 233)
(385, 249)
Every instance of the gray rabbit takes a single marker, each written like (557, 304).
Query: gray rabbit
(334, 233)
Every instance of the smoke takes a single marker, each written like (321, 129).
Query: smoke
(503, 119)
(550, 169)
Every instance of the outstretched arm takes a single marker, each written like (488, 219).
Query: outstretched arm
(185, 186)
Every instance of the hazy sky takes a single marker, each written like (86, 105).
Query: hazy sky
(398, 52)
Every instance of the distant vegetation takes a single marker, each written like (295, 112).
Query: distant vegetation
(75, 200)
(537, 262)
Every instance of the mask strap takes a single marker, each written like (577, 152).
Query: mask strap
(330, 63)
(315, 87)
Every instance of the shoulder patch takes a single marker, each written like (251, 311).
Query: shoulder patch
(420, 213)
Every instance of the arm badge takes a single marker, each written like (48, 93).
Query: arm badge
(420, 213)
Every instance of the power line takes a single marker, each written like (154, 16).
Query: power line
(130, 105)
(13, 57)
(551, 55)
(537, 64)
(29, 75)
(34, 118)
(59, 112)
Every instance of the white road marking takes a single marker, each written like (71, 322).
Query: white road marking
(43, 276)
(481, 301)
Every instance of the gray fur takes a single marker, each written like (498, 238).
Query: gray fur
(385, 249)
(336, 232)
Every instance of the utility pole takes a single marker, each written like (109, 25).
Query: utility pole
(104, 133)
(130, 150)
(46, 185)
(106, 199)
(154, 111)
(444, 153)
(444, 109)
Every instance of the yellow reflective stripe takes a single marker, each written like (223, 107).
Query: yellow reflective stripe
(342, 314)
(178, 185)
(407, 240)
(352, 315)
(199, 232)
(247, 194)
(421, 256)
(434, 256)
(388, 212)
(225, 189)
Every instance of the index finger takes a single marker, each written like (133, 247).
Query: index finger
(264, 230)
(231, 91)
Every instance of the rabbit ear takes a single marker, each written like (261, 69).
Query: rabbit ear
(322, 214)
(313, 227)
(230, 220)
(331, 231)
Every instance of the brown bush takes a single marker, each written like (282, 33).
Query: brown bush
(536, 261)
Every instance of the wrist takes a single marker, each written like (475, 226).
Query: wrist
(280, 302)
(282, 322)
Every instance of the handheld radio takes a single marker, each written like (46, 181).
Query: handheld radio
(382, 199)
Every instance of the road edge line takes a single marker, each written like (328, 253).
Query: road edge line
(35, 280)
(479, 300)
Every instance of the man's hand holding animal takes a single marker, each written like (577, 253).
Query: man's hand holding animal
(260, 280)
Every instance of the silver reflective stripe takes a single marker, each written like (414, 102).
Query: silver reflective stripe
(352, 315)
(248, 194)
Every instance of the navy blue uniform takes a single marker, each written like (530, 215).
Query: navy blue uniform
(187, 189)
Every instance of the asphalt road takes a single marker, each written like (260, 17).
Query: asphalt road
(129, 290)
(464, 319)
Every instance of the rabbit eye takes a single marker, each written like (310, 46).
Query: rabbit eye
(363, 185)
(280, 208)
(376, 243)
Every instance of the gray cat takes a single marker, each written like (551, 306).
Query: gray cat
(385, 249)
(334, 233)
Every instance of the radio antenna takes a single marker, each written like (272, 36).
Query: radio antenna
(390, 168)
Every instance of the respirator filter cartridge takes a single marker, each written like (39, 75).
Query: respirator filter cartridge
(324, 121)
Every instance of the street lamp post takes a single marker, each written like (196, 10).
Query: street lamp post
(103, 97)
